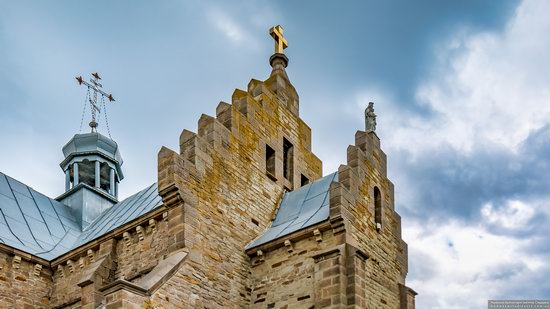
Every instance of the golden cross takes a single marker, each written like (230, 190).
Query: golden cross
(280, 41)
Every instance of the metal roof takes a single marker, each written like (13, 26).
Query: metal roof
(121, 213)
(299, 209)
(92, 142)
(39, 225)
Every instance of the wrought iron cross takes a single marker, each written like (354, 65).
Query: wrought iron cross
(95, 86)
(280, 41)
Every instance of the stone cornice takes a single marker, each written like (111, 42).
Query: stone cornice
(24, 255)
(122, 284)
(293, 237)
(112, 234)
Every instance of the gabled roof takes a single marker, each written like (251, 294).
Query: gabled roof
(299, 209)
(44, 227)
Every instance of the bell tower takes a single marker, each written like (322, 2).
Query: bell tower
(92, 164)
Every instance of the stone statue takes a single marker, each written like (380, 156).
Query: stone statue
(370, 118)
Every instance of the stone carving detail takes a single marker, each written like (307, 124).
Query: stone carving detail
(370, 118)
(16, 262)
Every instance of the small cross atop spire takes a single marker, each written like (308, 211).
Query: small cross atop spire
(95, 86)
(280, 41)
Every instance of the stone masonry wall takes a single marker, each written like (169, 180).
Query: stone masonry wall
(386, 267)
(299, 275)
(23, 284)
(141, 247)
(126, 255)
(219, 176)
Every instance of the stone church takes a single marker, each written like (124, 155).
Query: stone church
(240, 216)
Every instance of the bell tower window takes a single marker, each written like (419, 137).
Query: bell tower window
(288, 160)
(270, 162)
(377, 208)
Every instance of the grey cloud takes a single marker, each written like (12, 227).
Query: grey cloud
(453, 185)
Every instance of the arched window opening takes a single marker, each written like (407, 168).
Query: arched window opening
(104, 177)
(86, 172)
(377, 208)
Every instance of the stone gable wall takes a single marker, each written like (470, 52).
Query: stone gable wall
(386, 267)
(228, 199)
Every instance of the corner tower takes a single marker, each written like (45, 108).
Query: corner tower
(92, 164)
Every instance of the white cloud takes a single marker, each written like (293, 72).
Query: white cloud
(513, 215)
(223, 22)
(470, 264)
(485, 89)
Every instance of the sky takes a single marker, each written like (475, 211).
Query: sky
(461, 90)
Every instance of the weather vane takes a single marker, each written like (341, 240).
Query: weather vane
(95, 86)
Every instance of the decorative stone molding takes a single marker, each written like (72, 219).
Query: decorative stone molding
(318, 235)
(326, 255)
(37, 270)
(171, 196)
(140, 232)
(289, 246)
(122, 284)
(260, 255)
(91, 255)
(153, 224)
(70, 264)
(127, 239)
(60, 271)
(16, 263)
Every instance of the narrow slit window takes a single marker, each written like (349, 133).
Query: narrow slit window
(270, 161)
(304, 180)
(288, 159)
(377, 208)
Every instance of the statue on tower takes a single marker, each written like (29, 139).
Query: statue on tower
(370, 118)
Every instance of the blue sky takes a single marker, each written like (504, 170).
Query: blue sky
(461, 89)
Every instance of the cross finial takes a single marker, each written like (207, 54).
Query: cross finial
(95, 87)
(280, 41)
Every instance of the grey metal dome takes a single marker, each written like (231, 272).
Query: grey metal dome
(90, 144)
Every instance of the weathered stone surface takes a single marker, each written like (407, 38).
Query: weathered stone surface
(218, 196)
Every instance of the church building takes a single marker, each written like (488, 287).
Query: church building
(240, 216)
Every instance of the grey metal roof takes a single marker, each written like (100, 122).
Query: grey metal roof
(122, 213)
(93, 143)
(39, 225)
(299, 209)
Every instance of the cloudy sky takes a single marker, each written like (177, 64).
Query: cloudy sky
(462, 92)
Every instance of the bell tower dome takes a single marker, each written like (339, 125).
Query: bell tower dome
(92, 167)
(92, 164)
